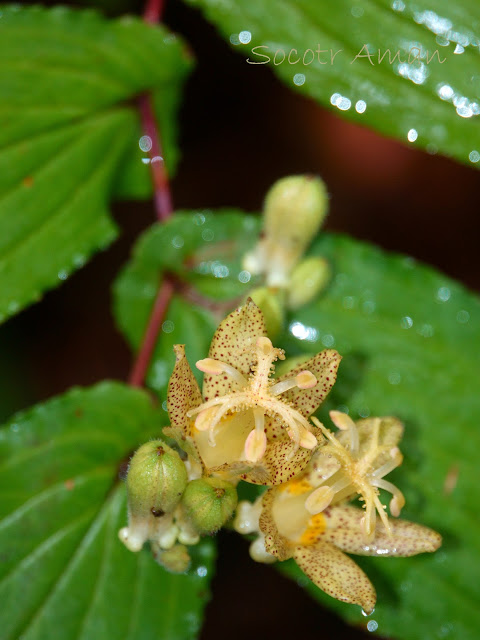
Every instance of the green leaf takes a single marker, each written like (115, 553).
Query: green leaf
(204, 253)
(438, 103)
(69, 141)
(63, 571)
(411, 346)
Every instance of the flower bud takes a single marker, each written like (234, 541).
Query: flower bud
(294, 210)
(209, 503)
(156, 479)
(270, 303)
(175, 560)
(308, 279)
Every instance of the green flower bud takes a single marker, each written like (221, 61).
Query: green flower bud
(308, 279)
(209, 503)
(294, 210)
(156, 479)
(175, 560)
(270, 303)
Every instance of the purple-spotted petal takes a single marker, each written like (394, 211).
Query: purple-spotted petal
(324, 367)
(233, 343)
(183, 392)
(344, 529)
(336, 574)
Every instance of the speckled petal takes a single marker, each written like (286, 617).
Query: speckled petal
(282, 460)
(232, 344)
(336, 574)
(183, 392)
(324, 367)
(344, 529)
(275, 543)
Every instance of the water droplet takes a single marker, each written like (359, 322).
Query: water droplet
(360, 106)
(220, 270)
(394, 377)
(234, 39)
(199, 219)
(202, 571)
(208, 235)
(364, 613)
(443, 294)
(368, 306)
(334, 99)
(146, 160)
(178, 242)
(426, 330)
(244, 276)
(406, 322)
(145, 143)
(15, 427)
(412, 135)
(303, 332)
(299, 79)
(63, 274)
(343, 408)
(168, 326)
(79, 260)
(445, 91)
(357, 12)
(463, 316)
(474, 156)
(164, 405)
(328, 340)
(364, 412)
(344, 104)
(13, 306)
(398, 5)
(372, 625)
(459, 49)
(244, 37)
(156, 159)
(348, 302)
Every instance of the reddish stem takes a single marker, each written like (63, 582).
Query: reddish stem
(160, 306)
(162, 196)
(164, 209)
(153, 11)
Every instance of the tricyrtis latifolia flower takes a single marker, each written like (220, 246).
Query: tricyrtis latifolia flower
(358, 457)
(308, 519)
(249, 425)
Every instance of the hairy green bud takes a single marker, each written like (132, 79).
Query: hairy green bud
(209, 503)
(156, 480)
(294, 210)
(308, 279)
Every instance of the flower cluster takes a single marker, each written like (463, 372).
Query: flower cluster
(249, 426)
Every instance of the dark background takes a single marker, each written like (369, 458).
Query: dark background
(240, 131)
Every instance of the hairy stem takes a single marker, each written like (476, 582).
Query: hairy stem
(160, 306)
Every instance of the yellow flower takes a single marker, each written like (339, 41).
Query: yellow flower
(248, 425)
(317, 541)
(364, 453)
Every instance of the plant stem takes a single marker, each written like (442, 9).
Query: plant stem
(162, 195)
(153, 11)
(160, 306)
(164, 209)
